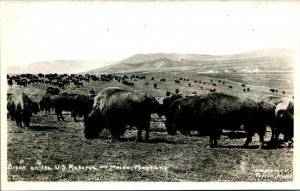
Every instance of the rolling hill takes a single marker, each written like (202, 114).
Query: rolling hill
(267, 60)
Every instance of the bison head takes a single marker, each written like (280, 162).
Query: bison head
(93, 124)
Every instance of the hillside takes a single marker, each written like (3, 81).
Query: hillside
(57, 66)
(267, 60)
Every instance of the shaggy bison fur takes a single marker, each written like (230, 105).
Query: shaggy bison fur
(114, 108)
(213, 112)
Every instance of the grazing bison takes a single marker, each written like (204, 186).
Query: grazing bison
(52, 91)
(35, 107)
(22, 82)
(10, 82)
(168, 101)
(46, 103)
(20, 108)
(79, 105)
(212, 90)
(180, 114)
(284, 122)
(213, 112)
(114, 108)
(61, 85)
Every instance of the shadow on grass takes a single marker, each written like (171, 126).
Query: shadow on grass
(238, 147)
(235, 134)
(161, 140)
(42, 128)
(267, 146)
(150, 141)
(158, 130)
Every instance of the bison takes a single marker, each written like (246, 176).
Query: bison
(46, 103)
(52, 91)
(79, 105)
(213, 112)
(284, 122)
(168, 101)
(114, 108)
(20, 108)
(179, 114)
(35, 108)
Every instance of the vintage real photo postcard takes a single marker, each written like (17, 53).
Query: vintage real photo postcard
(149, 94)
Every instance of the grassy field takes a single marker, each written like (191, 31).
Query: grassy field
(58, 151)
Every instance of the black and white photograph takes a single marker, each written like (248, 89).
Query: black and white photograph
(149, 94)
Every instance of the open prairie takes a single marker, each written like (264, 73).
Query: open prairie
(58, 151)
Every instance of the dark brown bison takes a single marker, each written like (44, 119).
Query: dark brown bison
(9, 82)
(8, 95)
(168, 101)
(213, 112)
(52, 91)
(20, 108)
(46, 103)
(35, 107)
(180, 114)
(22, 82)
(114, 108)
(78, 105)
(284, 121)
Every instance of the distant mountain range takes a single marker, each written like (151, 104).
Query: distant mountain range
(267, 60)
(57, 66)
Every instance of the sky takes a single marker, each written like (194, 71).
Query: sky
(33, 31)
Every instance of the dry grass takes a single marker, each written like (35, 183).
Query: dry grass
(187, 158)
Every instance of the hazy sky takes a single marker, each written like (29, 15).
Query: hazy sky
(69, 30)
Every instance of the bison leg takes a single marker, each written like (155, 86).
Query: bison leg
(290, 143)
(139, 135)
(261, 141)
(248, 140)
(147, 128)
(60, 116)
(74, 114)
(273, 129)
(12, 114)
(116, 128)
(214, 135)
(115, 137)
(26, 119)
(261, 134)
(57, 114)
(275, 135)
(19, 123)
(211, 142)
(19, 120)
(215, 139)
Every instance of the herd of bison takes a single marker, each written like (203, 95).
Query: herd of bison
(116, 108)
